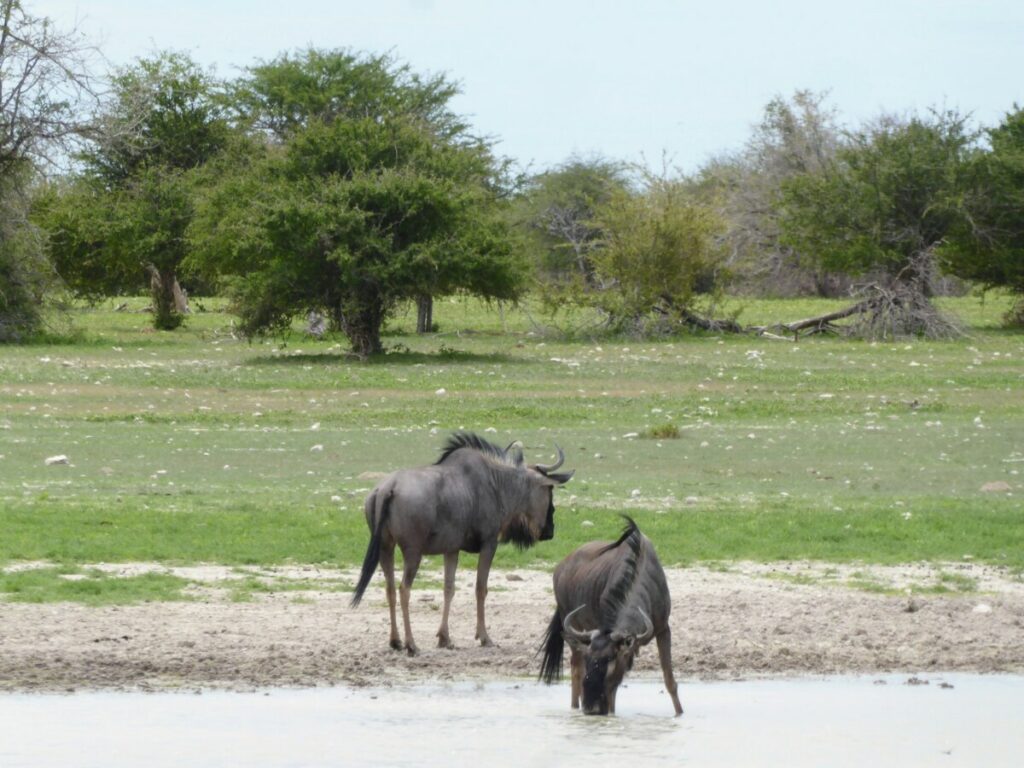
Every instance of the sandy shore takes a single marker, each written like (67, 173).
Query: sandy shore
(747, 620)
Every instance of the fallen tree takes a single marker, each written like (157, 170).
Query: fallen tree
(895, 311)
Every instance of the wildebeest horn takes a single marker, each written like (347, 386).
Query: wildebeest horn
(575, 634)
(648, 632)
(545, 468)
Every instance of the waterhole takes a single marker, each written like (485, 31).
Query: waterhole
(898, 720)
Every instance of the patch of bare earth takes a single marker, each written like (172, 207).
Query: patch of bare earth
(744, 621)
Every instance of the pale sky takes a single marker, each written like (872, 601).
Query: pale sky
(549, 79)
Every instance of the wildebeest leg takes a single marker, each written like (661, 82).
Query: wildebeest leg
(451, 560)
(576, 673)
(387, 564)
(412, 564)
(665, 655)
(483, 570)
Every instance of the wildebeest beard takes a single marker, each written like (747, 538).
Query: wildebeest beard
(520, 533)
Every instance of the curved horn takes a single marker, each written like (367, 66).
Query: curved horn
(648, 632)
(545, 468)
(571, 632)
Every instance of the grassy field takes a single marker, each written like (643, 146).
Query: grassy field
(195, 446)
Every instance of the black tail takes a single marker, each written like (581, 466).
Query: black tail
(553, 646)
(372, 558)
(630, 529)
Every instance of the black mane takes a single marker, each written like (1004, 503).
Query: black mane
(472, 440)
(614, 601)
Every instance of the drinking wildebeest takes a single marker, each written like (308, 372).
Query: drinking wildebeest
(474, 497)
(612, 599)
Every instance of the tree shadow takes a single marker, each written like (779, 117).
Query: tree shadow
(401, 357)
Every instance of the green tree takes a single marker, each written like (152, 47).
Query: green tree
(357, 207)
(124, 220)
(988, 246)
(888, 201)
(660, 248)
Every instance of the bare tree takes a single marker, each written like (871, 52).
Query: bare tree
(795, 136)
(43, 81)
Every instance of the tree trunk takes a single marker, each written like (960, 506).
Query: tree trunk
(424, 314)
(362, 327)
(164, 290)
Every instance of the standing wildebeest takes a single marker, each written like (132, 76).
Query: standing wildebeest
(473, 497)
(612, 598)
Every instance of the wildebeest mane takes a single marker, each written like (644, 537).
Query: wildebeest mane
(615, 598)
(472, 440)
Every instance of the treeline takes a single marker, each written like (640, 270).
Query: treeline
(340, 185)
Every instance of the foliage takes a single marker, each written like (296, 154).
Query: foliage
(284, 95)
(887, 202)
(122, 222)
(658, 251)
(25, 275)
(357, 210)
(558, 208)
(988, 246)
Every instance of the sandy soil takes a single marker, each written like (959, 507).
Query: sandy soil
(746, 621)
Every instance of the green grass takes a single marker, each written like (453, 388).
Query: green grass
(194, 446)
(89, 587)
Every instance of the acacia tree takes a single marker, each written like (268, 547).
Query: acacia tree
(885, 207)
(122, 222)
(659, 250)
(44, 79)
(988, 245)
(372, 192)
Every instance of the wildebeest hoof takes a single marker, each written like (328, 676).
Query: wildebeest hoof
(485, 642)
(412, 650)
(444, 642)
(397, 645)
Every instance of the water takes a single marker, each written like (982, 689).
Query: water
(838, 721)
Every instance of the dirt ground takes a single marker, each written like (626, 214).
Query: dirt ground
(742, 621)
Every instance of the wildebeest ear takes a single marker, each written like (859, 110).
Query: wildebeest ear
(560, 478)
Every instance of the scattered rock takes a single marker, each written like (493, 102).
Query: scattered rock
(52, 460)
(982, 608)
(441, 391)
(916, 681)
(514, 577)
(913, 605)
(371, 475)
(316, 448)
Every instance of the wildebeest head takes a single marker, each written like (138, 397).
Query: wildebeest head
(536, 518)
(607, 657)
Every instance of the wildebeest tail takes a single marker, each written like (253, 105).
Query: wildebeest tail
(372, 558)
(630, 533)
(553, 647)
